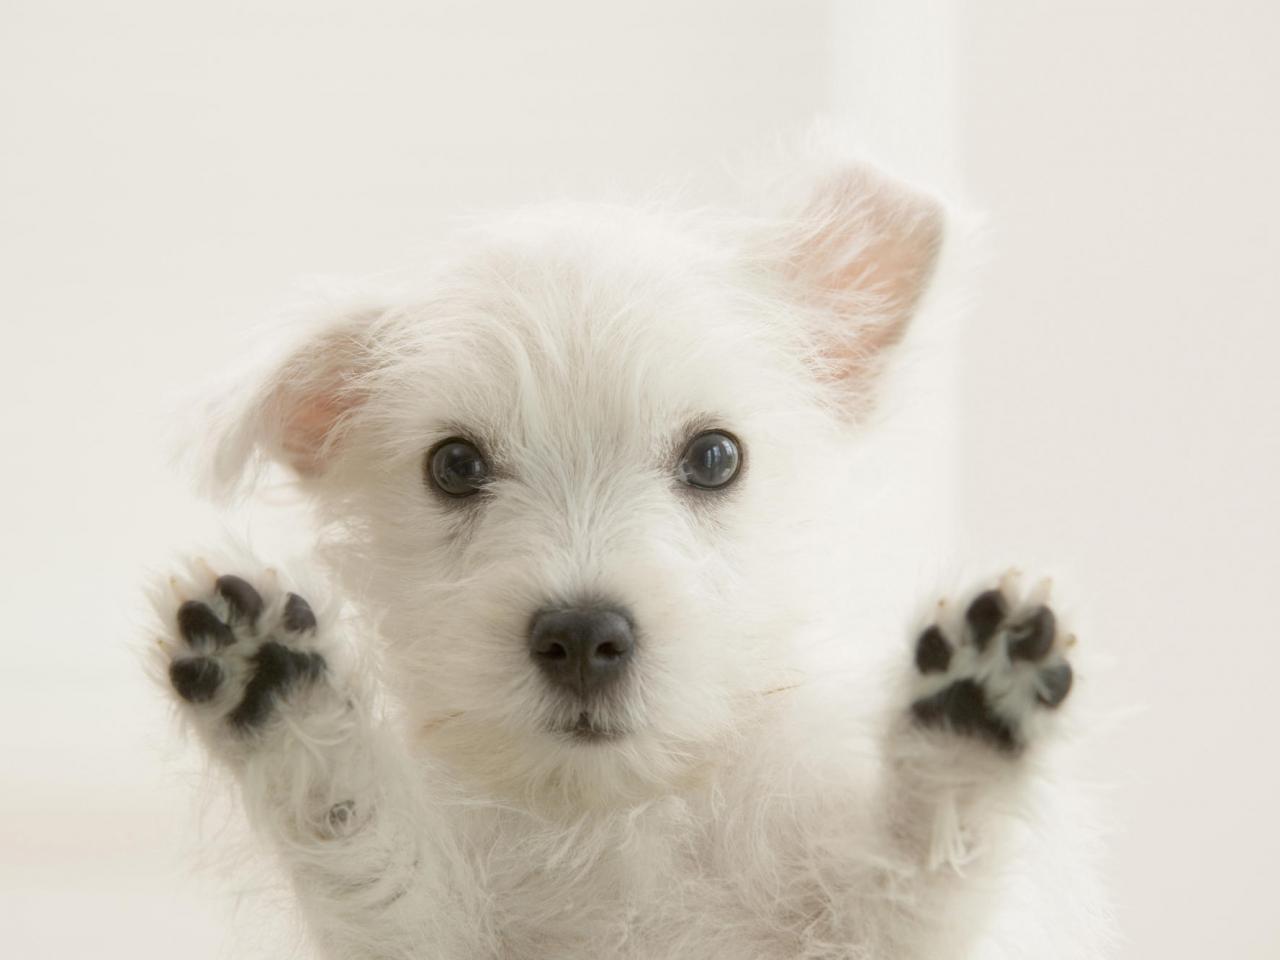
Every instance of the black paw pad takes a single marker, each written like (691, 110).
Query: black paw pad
(985, 615)
(195, 678)
(1033, 638)
(276, 669)
(243, 600)
(933, 652)
(963, 707)
(197, 623)
(1054, 683)
(298, 615)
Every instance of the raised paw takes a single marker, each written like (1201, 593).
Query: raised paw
(990, 668)
(237, 651)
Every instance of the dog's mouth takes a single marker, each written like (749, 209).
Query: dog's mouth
(586, 730)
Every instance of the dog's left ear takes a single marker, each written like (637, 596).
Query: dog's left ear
(859, 256)
(302, 398)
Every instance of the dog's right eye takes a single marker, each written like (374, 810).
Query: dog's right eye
(711, 460)
(456, 468)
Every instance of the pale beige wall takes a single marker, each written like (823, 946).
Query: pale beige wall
(1121, 414)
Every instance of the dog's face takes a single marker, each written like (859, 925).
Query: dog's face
(580, 481)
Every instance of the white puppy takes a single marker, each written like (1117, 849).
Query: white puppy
(589, 492)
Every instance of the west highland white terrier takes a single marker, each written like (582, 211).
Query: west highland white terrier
(592, 495)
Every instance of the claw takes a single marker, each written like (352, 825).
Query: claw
(1040, 593)
(1009, 582)
(175, 588)
(205, 570)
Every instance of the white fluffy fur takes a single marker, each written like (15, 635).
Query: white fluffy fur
(771, 799)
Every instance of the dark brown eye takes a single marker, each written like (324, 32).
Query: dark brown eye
(711, 460)
(456, 468)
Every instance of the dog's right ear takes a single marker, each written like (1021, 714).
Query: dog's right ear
(858, 255)
(302, 398)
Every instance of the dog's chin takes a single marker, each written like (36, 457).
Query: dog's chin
(586, 730)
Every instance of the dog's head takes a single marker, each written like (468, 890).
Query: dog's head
(578, 480)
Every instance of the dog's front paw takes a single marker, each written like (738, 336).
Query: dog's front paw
(237, 653)
(991, 668)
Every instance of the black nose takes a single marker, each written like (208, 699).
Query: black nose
(581, 648)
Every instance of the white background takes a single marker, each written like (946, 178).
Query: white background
(167, 172)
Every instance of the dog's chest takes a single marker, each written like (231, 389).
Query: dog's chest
(653, 885)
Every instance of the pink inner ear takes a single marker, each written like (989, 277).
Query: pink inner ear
(308, 427)
(317, 391)
(865, 258)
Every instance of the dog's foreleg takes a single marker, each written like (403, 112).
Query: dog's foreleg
(988, 677)
(324, 782)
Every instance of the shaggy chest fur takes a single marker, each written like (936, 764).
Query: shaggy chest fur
(660, 880)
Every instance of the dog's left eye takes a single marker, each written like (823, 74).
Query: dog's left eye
(456, 468)
(711, 460)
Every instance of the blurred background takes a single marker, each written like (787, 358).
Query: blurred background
(167, 171)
